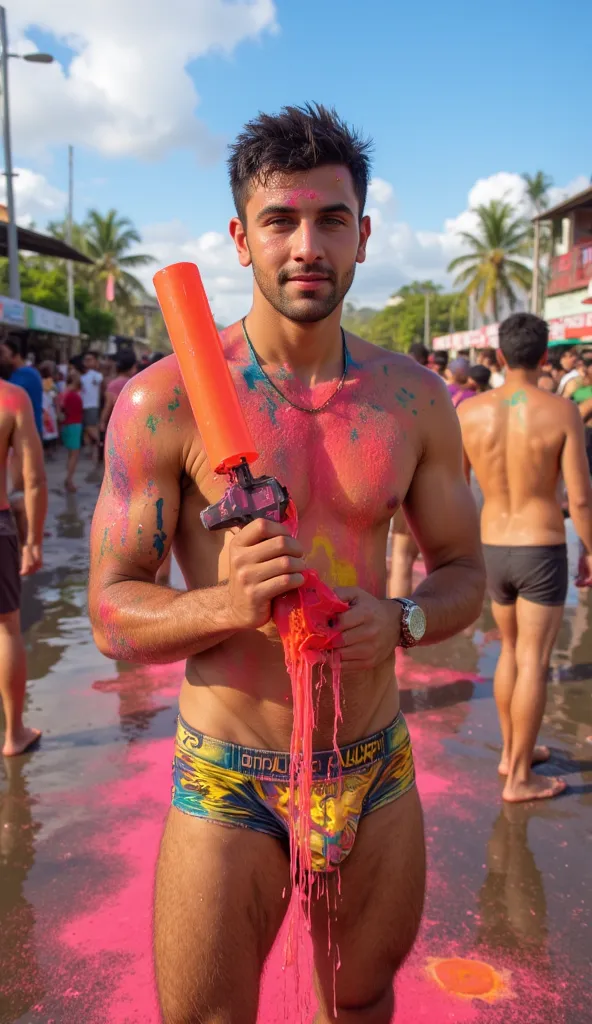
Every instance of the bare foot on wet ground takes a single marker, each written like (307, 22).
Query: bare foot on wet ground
(537, 787)
(539, 756)
(19, 744)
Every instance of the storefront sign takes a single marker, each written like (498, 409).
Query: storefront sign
(23, 314)
(12, 312)
(482, 337)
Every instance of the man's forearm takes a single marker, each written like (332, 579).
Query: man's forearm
(147, 623)
(451, 598)
(581, 517)
(35, 499)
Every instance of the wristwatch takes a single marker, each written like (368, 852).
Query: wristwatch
(413, 623)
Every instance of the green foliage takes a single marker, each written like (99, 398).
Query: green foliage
(494, 265)
(396, 327)
(43, 283)
(537, 188)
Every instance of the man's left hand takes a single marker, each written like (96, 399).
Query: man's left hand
(370, 629)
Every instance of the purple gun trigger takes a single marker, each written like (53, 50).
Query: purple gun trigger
(247, 498)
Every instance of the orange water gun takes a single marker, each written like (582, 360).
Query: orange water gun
(212, 395)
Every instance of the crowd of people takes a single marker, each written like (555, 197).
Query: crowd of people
(358, 434)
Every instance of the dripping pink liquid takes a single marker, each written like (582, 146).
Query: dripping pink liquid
(306, 622)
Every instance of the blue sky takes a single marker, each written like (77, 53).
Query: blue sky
(451, 94)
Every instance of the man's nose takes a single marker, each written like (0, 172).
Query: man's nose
(306, 243)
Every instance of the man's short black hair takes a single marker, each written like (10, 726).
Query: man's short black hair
(13, 343)
(523, 339)
(125, 360)
(296, 139)
(439, 358)
(419, 352)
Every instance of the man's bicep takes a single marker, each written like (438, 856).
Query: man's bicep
(136, 515)
(439, 505)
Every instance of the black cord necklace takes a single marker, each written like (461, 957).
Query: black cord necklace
(301, 408)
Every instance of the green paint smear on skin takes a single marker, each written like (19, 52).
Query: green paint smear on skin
(177, 390)
(518, 398)
(173, 405)
(160, 536)
(159, 505)
(152, 423)
(354, 435)
(104, 542)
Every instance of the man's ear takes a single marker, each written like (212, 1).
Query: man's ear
(238, 233)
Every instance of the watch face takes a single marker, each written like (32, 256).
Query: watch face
(416, 622)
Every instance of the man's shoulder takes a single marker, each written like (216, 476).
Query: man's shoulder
(158, 390)
(13, 398)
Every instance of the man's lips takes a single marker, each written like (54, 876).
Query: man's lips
(309, 278)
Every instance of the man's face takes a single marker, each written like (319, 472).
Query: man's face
(568, 361)
(89, 362)
(303, 238)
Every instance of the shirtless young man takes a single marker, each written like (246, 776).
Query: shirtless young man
(519, 439)
(18, 431)
(352, 431)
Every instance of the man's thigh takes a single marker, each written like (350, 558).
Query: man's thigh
(378, 912)
(218, 907)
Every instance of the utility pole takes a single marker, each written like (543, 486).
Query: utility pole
(426, 319)
(11, 232)
(70, 265)
(536, 258)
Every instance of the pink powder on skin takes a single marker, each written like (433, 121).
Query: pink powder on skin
(301, 193)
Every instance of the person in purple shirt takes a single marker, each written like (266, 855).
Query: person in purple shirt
(458, 381)
(15, 370)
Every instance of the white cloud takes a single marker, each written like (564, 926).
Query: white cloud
(397, 252)
(35, 199)
(380, 191)
(127, 91)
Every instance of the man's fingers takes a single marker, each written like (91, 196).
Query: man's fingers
(260, 530)
(357, 635)
(349, 594)
(267, 548)
(280, 585)
(351, 619)
(285, 565)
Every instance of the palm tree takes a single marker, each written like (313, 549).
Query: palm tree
(537, 187)
(495, 265)
(107, 241)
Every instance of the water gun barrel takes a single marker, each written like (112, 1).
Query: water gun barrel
(206, 376)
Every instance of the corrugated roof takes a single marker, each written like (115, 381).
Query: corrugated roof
(45, 245)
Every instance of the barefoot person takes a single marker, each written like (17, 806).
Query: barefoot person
(18, 430)
(352, 430)
(519, 439)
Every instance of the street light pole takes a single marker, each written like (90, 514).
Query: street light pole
(11, 232)
(70, 265)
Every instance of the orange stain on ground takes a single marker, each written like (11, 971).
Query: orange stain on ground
(470, 979)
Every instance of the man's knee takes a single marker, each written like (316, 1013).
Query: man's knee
(379, 1009)
(10, 625)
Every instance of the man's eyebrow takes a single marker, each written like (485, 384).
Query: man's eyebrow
(277, 208)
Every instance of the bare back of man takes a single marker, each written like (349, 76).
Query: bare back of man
(382, 433)
(519, 440)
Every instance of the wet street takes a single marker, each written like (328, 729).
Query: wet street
(80, 822)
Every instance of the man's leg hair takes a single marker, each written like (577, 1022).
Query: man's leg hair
(13, 678)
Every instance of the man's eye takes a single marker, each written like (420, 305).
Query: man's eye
(333, 221)
(280, 220)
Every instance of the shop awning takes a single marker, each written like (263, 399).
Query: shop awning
(44, 245)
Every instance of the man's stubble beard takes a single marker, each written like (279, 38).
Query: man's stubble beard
(319, 309)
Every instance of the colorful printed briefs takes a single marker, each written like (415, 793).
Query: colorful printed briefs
(249, 788)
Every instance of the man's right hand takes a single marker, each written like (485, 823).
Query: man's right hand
(265, 561)
(31, 559)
